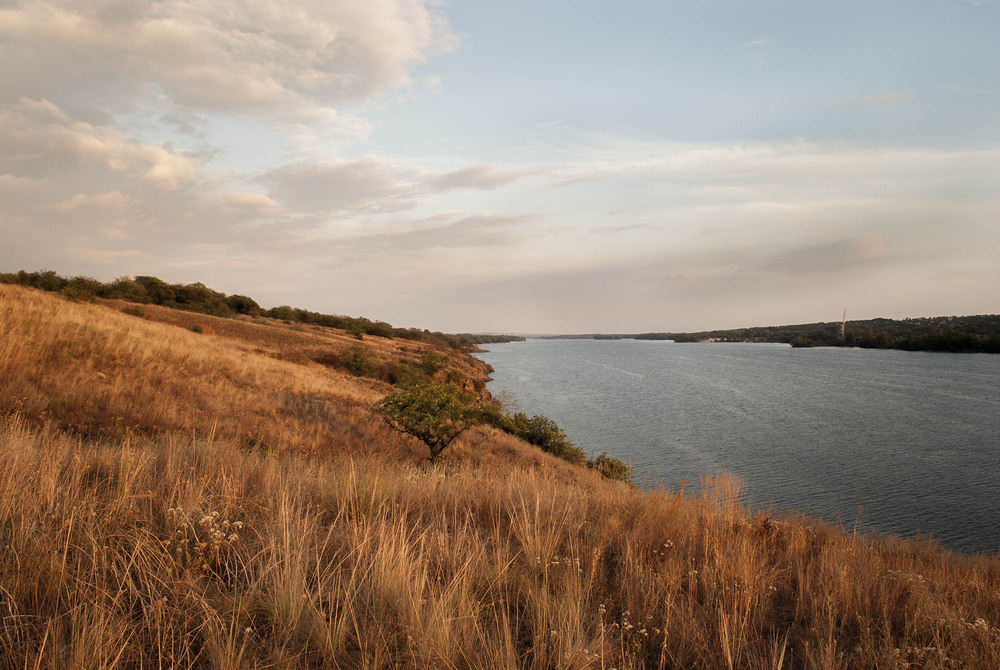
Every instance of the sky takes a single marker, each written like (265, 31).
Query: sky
(518, 166)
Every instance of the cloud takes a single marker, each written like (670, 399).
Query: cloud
(486, 229)
(38, 134)
(101, 201)
(756, 50)
(486, 176)
(250, 201)
(376, 184)
(368, 184)
(231, 56)
(840, 256)
(19, 191)
(102, 256)
(879, 101)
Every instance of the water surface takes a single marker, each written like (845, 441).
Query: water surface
(908, 440)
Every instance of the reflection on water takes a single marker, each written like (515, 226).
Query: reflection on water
(912, 440)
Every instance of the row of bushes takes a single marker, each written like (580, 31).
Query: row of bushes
(545, 434)
(199, 298)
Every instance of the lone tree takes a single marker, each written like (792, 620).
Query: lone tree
(435, 414)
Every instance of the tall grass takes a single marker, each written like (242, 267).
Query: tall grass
(174, 544)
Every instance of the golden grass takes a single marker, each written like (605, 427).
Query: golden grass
(101, 372)
(301, 343)
(170, 545)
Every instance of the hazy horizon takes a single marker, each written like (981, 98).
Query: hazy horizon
(520, 167)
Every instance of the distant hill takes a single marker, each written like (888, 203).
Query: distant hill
(960, 334)
(942, 333)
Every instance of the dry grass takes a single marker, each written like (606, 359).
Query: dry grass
(301, 343)
(101, 372)
(175, 546)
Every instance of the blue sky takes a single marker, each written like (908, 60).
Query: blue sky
(516, 166)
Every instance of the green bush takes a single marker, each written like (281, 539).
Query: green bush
(125, 288)
(539, 431)
(403, 375)
(431, 361)
(242, 304)
(612, 468)
(360, 361)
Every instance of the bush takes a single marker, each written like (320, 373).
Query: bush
(82, 288)
(431, 361)
(612, 468)
(196, 328)
(135, 310)
(360, 361)
(242, 304)
(124, 288)
(539, 431)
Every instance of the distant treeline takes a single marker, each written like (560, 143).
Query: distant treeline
(489, 339)
(588, 336)
(203, 300)
(941, 333)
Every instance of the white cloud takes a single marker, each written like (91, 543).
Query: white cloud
(103, 256)
(101, 201)
(368, 184)
(38, 134)
(233, 56)
(479, 176)
(19, 191)
(254, 202)
(457, 231)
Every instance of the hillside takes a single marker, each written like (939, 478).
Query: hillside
(185, 490)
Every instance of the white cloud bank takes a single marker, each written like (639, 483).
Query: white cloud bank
(229, 56)
(122, 152)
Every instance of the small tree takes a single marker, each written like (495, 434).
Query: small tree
(434, 414)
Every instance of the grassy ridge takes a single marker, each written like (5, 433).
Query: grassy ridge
(226, 500)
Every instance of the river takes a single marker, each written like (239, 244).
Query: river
(893, 441)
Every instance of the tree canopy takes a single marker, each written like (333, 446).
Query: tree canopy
(434, 413)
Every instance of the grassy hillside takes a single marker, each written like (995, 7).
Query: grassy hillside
(225, 499)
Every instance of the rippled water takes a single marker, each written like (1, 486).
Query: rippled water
(909, 440)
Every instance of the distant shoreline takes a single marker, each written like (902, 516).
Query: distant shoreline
(953, 334)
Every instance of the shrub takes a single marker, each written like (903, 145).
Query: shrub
(431, 361)
(135, 310)
(404, 376)
(196, 328)
(543, 432)
(82, 288)
(435, 414)
(124, 288)
(282, 313)
(539, 430)
(360, 361)
(242, 304)
(612, 468)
